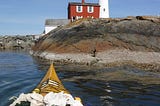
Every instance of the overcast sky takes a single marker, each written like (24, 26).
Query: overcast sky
(28, 16)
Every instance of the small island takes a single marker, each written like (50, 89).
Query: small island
(104, 42)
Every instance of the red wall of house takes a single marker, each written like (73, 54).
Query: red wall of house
(72, 12)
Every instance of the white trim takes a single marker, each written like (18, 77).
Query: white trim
(79, 17)
(79, 9)
(90, 9)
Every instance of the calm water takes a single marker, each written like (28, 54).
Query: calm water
(19, 72)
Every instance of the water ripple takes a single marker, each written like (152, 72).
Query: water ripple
(20, 73)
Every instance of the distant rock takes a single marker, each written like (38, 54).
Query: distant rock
(150, 18)
(17, 42)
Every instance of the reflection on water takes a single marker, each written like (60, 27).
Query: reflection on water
(19, 73)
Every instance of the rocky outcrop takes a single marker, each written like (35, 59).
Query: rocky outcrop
(16, 42)
(103, 34)
(95, 36)
(150, 18)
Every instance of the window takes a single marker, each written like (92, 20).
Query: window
(104, 9)
(90, 9)
(79, 8)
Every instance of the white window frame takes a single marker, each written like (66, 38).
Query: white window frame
(90, 9)
(79, 7)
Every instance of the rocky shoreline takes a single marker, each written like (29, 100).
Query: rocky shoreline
(143, 60)
(17, 42)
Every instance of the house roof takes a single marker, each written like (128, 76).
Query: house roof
(56, 22)
(84, 4)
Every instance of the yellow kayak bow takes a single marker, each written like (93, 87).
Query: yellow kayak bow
(50, 83)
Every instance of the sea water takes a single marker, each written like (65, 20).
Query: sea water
(20, 73)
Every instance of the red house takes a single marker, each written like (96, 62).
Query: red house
(83, 10)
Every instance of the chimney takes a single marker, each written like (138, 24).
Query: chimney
(83, 1)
